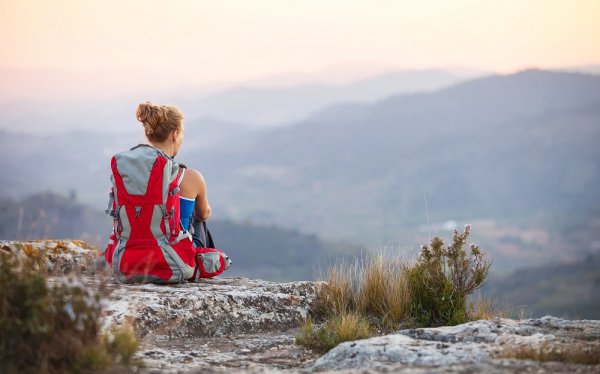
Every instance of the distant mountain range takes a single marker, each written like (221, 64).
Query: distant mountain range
(500, 146)
(518, 150)
(48, 101)
(260, 106)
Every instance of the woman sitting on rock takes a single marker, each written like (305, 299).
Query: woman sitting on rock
(163, 126)
(154, 200)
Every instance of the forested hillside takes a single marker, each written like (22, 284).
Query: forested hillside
(258, 251)
(569, 290)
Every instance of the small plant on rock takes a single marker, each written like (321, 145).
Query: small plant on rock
(384, 292)
(443, 277)
(336, 330)
(55, 327)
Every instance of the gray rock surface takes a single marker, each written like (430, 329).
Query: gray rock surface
(239, 325)
(218, 324)
(214, 307)
(458, 348)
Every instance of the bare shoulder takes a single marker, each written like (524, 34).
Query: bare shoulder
(194, 175)
(193, 178)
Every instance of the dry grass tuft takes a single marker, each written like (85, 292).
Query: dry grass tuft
(346, 327)
(373, 284)
(397, 295)
(484, 307)
(580, 353)
(336, 296)
(376, 287)
(384, 292)
(359, 298)
(351, 326)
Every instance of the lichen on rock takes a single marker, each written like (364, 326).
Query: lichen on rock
(61, 256)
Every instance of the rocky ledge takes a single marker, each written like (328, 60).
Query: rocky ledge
(472, 347)
(245, 325)
(227, 323)
(217, 325)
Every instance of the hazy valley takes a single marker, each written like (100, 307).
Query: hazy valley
(516, 156)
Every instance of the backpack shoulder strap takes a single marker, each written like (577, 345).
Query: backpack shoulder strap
(150, 146)
(181, 174)
(140, 145)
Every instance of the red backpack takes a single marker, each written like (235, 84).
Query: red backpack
(147, 243)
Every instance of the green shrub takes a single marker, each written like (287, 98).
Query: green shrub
(442, 278)
(56, 328)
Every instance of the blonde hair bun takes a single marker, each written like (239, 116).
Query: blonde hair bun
(150, 115)
(158, 120)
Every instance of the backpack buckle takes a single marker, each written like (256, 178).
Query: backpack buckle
(111, 199)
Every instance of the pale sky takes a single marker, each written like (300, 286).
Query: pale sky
(212, 41)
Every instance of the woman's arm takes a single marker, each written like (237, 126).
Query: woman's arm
(193, 186)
